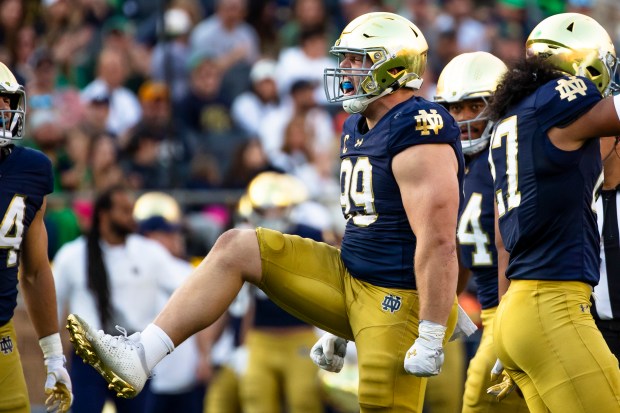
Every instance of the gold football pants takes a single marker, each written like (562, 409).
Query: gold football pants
(13, 390)
(309, 280)
(549, 344)
(223, 392)
(280, 369)
(476, 399)
(444, 393)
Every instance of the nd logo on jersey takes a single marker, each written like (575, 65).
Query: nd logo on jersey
(391, 303)
(571, 87)
(427, 122)
(6, 345)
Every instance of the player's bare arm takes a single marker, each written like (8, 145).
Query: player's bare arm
(36, 279)
(602, 120)
(427, 177)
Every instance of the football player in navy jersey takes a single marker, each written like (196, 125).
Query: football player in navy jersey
(549, 112)
(391, 287)
(466, 86)
(26, 177)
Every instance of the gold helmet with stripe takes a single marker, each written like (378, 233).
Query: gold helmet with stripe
(392, 51)
(471, 76)
(578, 45)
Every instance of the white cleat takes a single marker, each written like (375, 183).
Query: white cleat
(119, 359)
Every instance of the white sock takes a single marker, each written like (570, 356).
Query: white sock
(157, 345)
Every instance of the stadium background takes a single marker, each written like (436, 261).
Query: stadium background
(170, 123)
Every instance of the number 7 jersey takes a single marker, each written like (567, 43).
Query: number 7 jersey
(379, 245)
(25, 179)
(545, 196)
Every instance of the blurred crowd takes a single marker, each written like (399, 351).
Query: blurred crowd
(206, 94)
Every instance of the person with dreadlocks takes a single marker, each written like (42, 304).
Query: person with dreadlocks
(549, 112)
(113, 277)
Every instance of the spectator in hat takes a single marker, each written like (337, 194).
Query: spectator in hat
(118, 33)
(112, 72)
(173, 149)
(231, 40)
(251, 107)
(44, 93)
(205, 112)
(300, 104)
(226, 35)
(306, 62)
(169, 57)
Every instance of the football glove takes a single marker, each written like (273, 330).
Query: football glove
(505, 386)
(57, 383)
(328, 353)
(425, 357)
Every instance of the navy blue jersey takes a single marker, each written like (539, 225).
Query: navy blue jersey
(476, 229)
(379, 245)
(25, 179)
(546, 195)
(267, 313)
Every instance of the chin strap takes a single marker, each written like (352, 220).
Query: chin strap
(357, 106)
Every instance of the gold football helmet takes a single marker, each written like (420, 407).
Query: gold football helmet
(578, 45)
(393, 55)
(269, 199)
(471, 76)
(152, 204)
(13, 118)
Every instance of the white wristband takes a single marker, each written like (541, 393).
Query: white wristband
(51, 345)
(617, 105)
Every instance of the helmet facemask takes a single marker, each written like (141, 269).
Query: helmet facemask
(12, 120)
(473, 146)
(357, 87)
(466, 78)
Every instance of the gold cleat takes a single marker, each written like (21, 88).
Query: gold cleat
(110, 355)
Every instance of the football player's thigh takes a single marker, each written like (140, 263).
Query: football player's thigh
(13, 390)
(305, 278)
(444, 393)
(385, 324)
(259, 383)
(476, 399)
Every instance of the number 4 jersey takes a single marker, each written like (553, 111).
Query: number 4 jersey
(379, 244)
(25, 179)
(545, 196)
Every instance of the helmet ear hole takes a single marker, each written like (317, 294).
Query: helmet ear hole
(592, 71)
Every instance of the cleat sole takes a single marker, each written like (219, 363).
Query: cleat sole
(84, 349)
